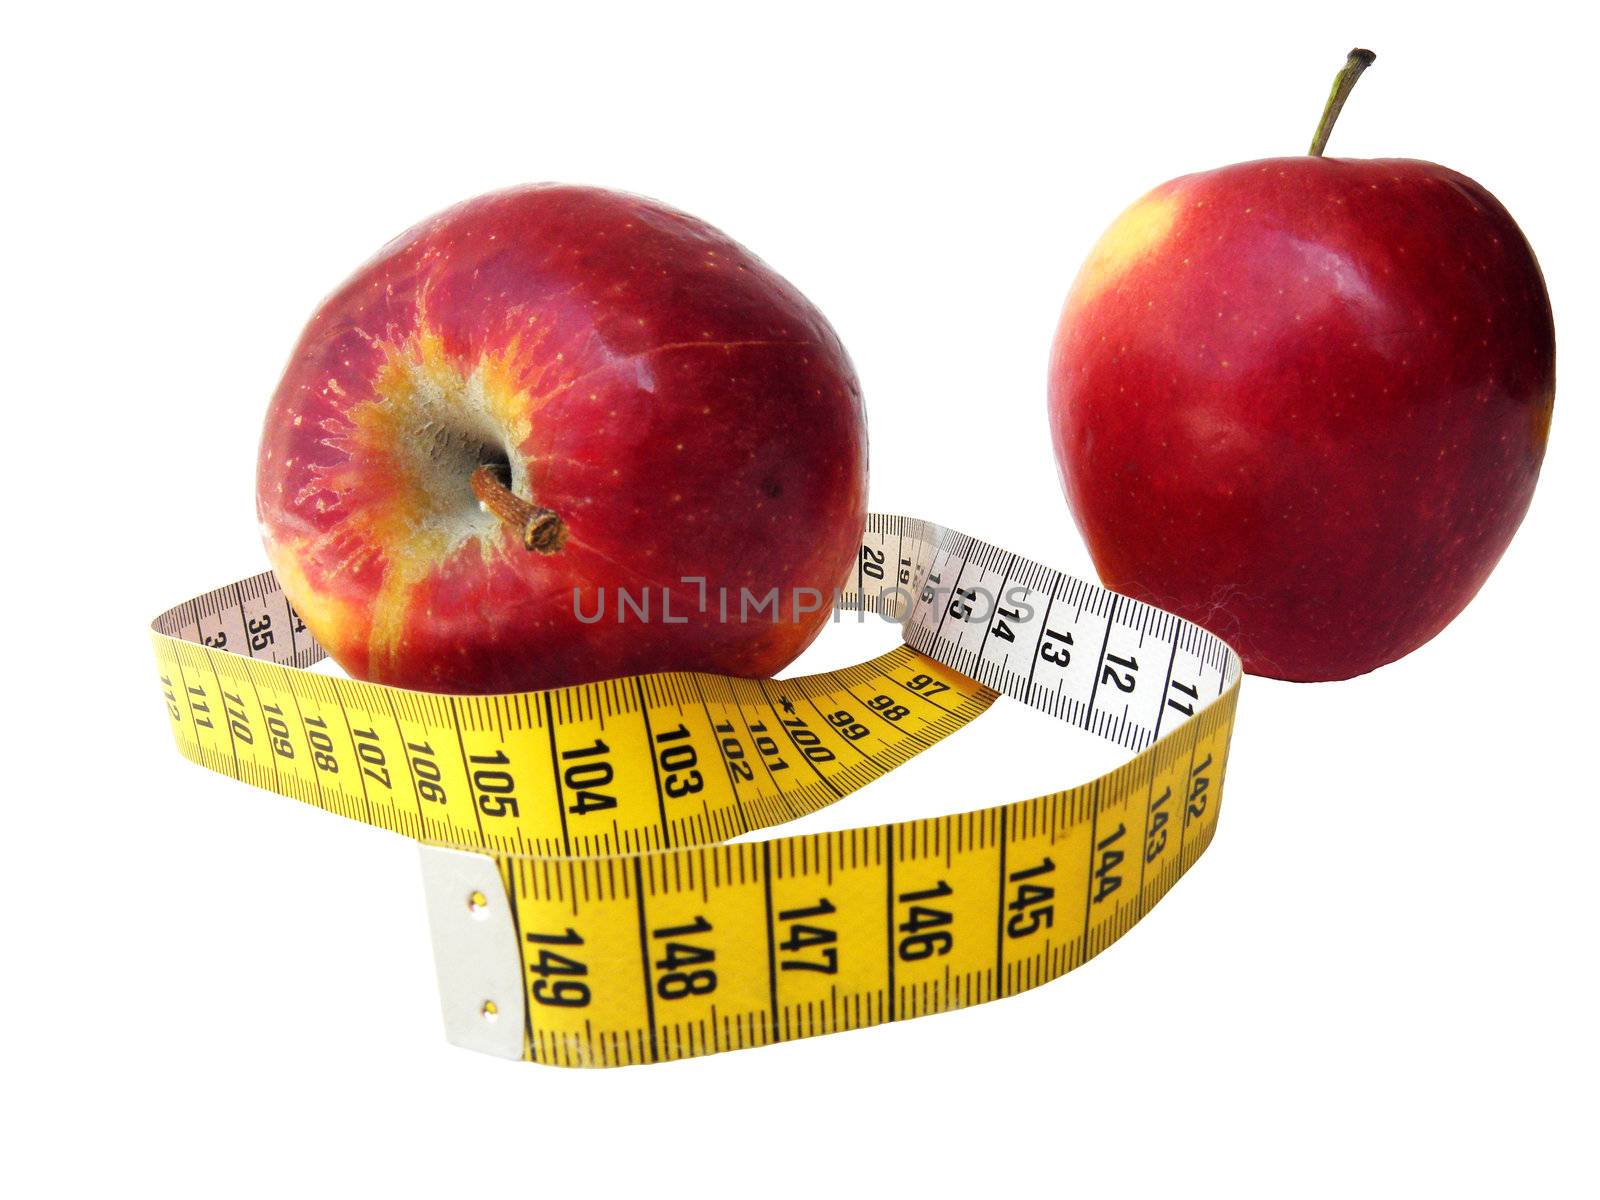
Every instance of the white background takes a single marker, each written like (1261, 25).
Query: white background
(1380, 975)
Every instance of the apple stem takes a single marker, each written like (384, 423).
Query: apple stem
(540, 529)
(1345, 80)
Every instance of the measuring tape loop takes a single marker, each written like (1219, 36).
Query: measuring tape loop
(586, 905)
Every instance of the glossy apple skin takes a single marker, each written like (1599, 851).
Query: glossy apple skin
(1303, 402)
(682, 408)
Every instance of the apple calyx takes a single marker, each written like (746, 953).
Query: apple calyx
(1358, 61)
(540, 529)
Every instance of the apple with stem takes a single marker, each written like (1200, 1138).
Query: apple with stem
(559, 434)
(1304, 401)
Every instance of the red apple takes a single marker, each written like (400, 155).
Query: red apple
(540, 400)
(1304, 401)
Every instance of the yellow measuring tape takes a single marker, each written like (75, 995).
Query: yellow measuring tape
(586, 907)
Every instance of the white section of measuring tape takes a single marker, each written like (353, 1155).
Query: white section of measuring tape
(474, 951)
(1097, 690)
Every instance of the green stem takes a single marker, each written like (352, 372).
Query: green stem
(1358, 62)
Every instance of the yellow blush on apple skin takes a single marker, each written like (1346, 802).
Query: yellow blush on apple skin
(340, 625)
(1134, 235)
(406, 479)
(1542, 414)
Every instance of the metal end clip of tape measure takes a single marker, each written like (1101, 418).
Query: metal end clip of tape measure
(587, 908)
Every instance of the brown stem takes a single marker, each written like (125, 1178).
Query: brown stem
(540, 529)
(1358, 62)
